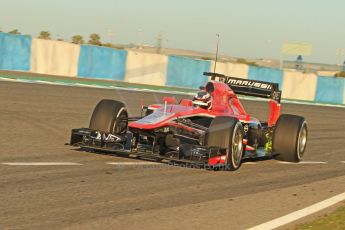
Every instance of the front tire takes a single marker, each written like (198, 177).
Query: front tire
(109, 116)
(227, 133)
(290, 138)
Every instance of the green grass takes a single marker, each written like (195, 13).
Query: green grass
(98, 82)
(340, 74)
(88, 81)
(333, 221)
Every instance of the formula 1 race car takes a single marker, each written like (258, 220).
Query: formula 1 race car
(211, 130)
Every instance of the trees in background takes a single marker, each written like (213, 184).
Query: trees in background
(95, 39)
(44, 35)
(78, 39)
(15, 31)
(108, 44)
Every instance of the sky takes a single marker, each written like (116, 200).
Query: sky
(247, 28)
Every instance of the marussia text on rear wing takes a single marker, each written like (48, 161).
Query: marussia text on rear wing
(249, 87)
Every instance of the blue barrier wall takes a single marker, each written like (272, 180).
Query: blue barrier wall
(106, 63)
(102, 62)
(330, 90)
(15, 52)
(186, 72)
(266, 74)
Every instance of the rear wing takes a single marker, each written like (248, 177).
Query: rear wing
(249, 87)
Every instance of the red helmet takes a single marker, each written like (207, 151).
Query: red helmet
(203, 100)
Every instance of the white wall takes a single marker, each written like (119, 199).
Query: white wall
(146, 68)
(231, 69)
(297, 85)
(54, 57)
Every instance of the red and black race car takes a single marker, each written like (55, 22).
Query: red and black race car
(211, 130)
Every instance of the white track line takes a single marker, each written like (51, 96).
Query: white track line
(302, 162)
(97, 86)
(40, 163)
(249, 163)
(132, 163)
(342, 162)
(158, 91)
(300, 213)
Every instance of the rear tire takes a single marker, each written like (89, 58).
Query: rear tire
(227, 133)
(109, 116)
(290, 138)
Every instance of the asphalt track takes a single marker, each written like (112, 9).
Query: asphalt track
(89, 193)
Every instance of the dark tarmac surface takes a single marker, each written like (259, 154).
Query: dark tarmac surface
(36, 121)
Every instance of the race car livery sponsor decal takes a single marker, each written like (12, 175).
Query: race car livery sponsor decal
(106, 137)
(248, 83)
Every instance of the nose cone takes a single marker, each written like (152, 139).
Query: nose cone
(154, 119)
(160, 117)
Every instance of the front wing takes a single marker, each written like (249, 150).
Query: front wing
(122, 145)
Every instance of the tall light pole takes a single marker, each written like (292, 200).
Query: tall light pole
(160, 40)
(215, 63)
(141, 42)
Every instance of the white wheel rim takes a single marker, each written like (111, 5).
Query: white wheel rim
(302, 140)
(117, 116)
(237, 146)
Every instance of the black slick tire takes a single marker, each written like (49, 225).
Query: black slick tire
(290, 138)
(227, 133)
(109, 116)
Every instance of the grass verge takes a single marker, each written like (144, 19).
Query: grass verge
(333, 221)
(88, 81)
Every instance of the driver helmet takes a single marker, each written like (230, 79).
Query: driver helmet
(203, 100)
